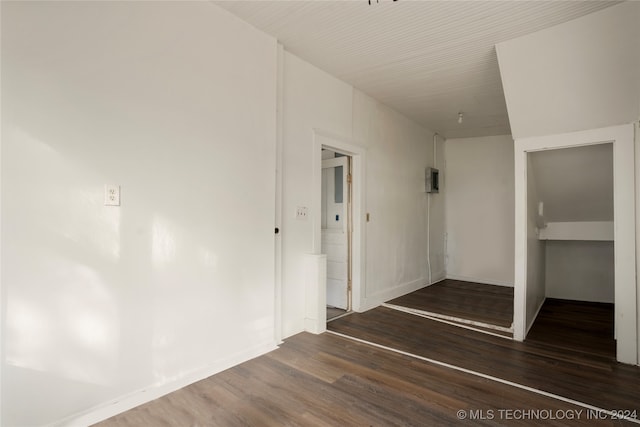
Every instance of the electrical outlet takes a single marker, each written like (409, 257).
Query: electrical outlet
(111, 195)
(302, 212)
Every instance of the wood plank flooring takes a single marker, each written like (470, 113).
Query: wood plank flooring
(473, 301)
(589, 378)
(327, 380)
(576, 325)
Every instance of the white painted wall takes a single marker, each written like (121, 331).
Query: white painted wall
(175, 102)
(535, 289)
(580, 75)
(479, 209)
(575, 184)
(312, 99)
(398, 151)
(580, 270)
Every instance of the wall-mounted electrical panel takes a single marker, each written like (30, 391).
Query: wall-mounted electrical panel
(432, 180)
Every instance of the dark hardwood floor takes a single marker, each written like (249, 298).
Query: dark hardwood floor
(473, 301)
(589, 378)
(327, 380)
(575, 325)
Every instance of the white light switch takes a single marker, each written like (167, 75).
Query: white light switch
(111, 195)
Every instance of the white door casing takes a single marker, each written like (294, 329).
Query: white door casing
(335, 231)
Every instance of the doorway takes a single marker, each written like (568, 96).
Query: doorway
(316, 320)
(529, 289)
(571, 193)
(336, 226)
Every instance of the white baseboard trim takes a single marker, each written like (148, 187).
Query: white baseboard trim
(478, 280)
(438, 277)
(373, 301)
(398, 291)
(139, 397)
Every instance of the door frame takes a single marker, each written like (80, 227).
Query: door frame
(346, 226)
(626, 295)
(343, 145)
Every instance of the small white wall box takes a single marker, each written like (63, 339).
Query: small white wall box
(432, 180)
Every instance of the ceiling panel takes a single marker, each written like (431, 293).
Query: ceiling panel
(427, 59)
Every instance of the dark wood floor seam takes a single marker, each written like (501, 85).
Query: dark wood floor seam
(486, 376)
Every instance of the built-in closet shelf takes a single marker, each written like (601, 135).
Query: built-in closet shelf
(583, 230)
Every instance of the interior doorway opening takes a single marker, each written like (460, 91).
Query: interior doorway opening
(316, 286)
(529, 285)
(572, 246)
(337, 230)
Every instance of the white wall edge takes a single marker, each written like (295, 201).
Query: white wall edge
(315, 270)
(2, 292)
(520, 247)
(480, 280)
(535, 316)
(117, 406)
(279, 193)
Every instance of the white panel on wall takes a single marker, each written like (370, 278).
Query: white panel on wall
(175, 102)
(479, 209)
(580, 270)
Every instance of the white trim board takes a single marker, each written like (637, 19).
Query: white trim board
(582, 230)
(622, 138)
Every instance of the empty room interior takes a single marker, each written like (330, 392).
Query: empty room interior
(366, 212)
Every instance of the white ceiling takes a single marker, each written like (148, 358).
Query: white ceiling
(427, 59)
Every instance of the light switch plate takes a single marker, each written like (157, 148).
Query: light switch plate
(302, 212)
(111, 195)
